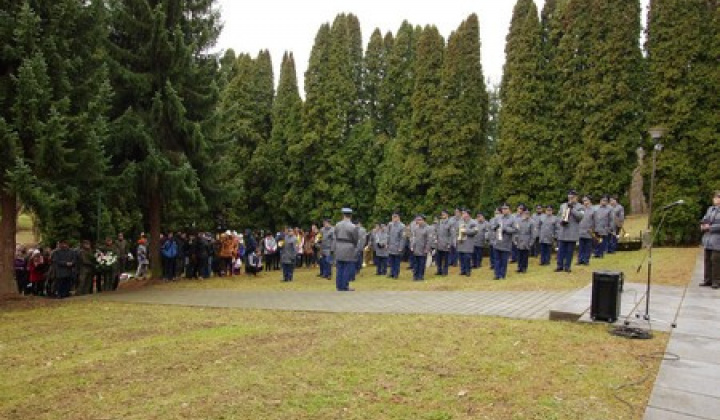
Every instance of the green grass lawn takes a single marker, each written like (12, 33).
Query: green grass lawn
(671, 266)
(92, 360)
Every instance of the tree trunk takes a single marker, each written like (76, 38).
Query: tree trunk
(154, 216)
(8, 230)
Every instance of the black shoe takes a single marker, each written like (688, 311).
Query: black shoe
(557, 270)
(715, 286)
(703, 284)
(567, 270)
(496, 278)
(518, 271)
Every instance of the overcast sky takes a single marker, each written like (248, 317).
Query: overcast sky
(291, 25)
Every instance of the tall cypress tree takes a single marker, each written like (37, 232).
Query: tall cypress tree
(53, 98)
(274, 163)
(682, 55)
(613, 123)
(458, 156)
(428, 114)
(395, 97)
(522, 155)
(164, 77)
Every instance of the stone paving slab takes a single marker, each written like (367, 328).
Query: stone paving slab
(521, 305)
(689, 387)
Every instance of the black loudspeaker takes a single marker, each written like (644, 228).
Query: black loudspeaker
(605, 301)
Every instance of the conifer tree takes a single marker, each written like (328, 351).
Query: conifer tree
(683, 73)
(522, 159)
(165, 82)
(457, 156)
(395, 99)
(53, 98)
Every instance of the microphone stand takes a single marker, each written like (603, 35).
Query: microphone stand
(646, 316)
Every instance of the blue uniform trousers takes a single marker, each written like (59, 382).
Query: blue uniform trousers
(602, 246)
(545, 250)
(477, 257)
(345, 271)
(419, 267)
(501, 263)
(585, 250)
(523, 257)
(442, 262)
(288, 270)
(465, 263)
(395, 265)
(453, 256)
(492, 257)
(381, 265)
(566, 249)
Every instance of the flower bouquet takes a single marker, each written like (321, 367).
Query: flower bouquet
(105, 261)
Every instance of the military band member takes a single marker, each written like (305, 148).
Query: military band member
(455, 220)
(710, 227)
(547, 230)
(517, 216)
(587, 226)
(362, 235)
(420, 247)
(504, 229)
(524, 239)
(568, 233)
(326, 246)
(467, 230)
(618, 213)
(379, 241)
(539, 212)
(288, 255)
(445, 240)
(344, 250)
(603, 226)
(396, 244)
(480, 239)
(492, 237)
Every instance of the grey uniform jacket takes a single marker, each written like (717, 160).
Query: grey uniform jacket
(379, 240)
(546, 228)
(507, 225)
(471, 230)
(618, 213)
(420, 244)
(396, 238)
(603, 220)
(587, 224)
(525, 235)
(346, 241)
(711, 239)
(445, 234)
(328, 241)
(569, 231)
(289, 251)
(492, 234)
(536, 219)
(482, 235)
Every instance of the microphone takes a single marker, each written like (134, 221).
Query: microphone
(671, 205)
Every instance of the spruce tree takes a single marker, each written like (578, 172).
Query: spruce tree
(53, 98)
(165, 82)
